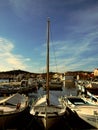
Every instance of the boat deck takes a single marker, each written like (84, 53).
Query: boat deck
(90, 110)
(48, 110)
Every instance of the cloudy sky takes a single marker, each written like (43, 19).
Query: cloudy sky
(73, 35)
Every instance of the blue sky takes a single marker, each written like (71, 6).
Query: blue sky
(73, 35)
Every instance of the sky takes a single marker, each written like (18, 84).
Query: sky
(73, 35)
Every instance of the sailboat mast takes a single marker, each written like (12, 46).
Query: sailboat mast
(47, 85)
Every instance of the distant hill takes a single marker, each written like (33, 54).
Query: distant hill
(14, 73)
(10, 74)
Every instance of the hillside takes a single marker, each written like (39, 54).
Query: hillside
(12, 73)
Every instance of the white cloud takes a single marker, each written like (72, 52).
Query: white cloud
(71, 54)
(8, 60)
(5, 45)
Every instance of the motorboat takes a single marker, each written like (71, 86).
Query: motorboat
(54, 84)
(47, 115)
(90, 98)
(92, 87)
(81, 111)
(12, 108)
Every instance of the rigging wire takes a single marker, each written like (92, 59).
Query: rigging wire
(54, 51)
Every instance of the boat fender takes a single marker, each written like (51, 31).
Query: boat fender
(18, 106)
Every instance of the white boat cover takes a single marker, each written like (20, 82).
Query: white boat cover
(14, 99)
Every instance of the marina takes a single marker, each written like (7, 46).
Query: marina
(26, 122)
(51, 102)
(49, 65)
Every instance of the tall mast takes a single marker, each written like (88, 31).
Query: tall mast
(47, 84)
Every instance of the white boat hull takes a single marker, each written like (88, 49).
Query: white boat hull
(48, 116)
(11, 118)
(92, 120)
(49, 121)
(89, 114)
(80, 110)
(12, 108)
